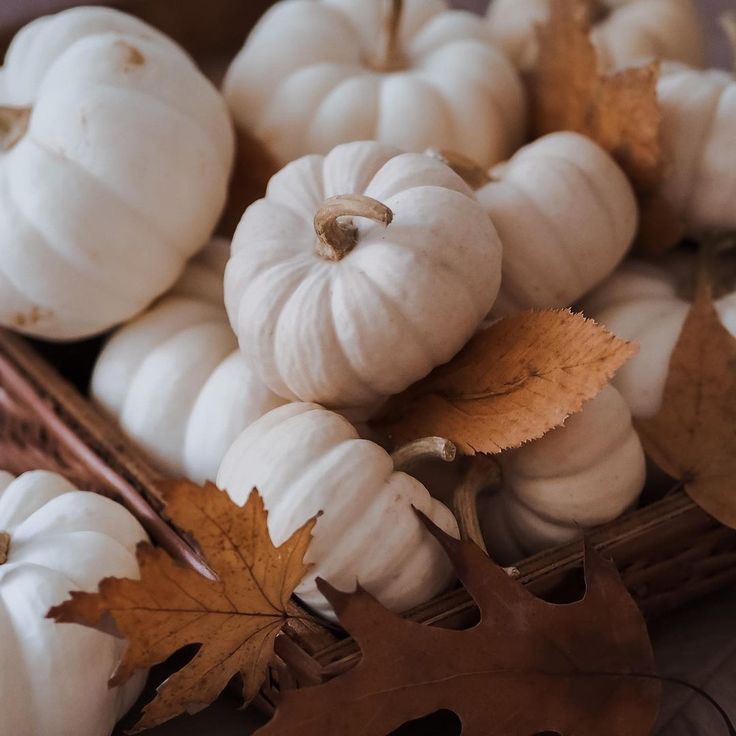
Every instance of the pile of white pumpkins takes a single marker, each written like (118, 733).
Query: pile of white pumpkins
(410, 210)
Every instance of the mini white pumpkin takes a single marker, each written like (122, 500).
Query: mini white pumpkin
(174, 379)
(116, 153)
(648, 303)
(317, 73)
(578, 476)
(305, 459)
(55, 539)
(699, 140)
(624, 32)
(566, 215)
(347, 312)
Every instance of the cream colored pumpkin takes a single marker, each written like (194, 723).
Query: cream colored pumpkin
(398, 278)
(115, 154)
(566, 215)
(578, 476)
(305, 459)
(317, 73)
(699, 138)
(648, 304)
(174, 379)
(625, 32)
(55, 539)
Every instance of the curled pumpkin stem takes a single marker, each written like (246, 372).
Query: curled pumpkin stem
(4, 547)
(337, 239)
(483, 473)
(13, 125)
(390, 57)
(410, 455)
(475, 176)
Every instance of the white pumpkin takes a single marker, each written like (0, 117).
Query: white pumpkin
(566, 215)
(305, 459)
(115, 154)
(345, 311)
(648, 304)
(55, 539)
(624, 32)
(699, 140)
(174, 379)
(578, 476)
(317, 73)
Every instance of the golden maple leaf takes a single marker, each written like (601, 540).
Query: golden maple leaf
(235, 617)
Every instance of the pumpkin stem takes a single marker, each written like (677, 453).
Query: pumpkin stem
(13, 125)
(475, 176)
(483, 473)
(4, 547)
(389, 57)
(337, 239)
(427, 448)
(728, 23)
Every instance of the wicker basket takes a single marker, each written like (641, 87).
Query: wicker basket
(669, 552)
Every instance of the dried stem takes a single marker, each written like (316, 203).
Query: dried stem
(390, 57)
(428, 448)
(475, 176)
(13, 125)
(337, 239)
(483, 473)
(728, 23)
(4, 547)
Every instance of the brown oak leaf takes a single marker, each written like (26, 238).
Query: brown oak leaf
(235, 617)
(693, 436)
(619, 111)
(528, 667)
(514, 381)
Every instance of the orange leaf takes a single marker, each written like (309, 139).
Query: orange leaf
(512, 382)
(235, 617)
(693, 436)
(620, 112)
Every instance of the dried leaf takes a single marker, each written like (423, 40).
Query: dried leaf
(693, 436)
(620, 112)
(512, 382)
(528, 667)
(235, 618)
